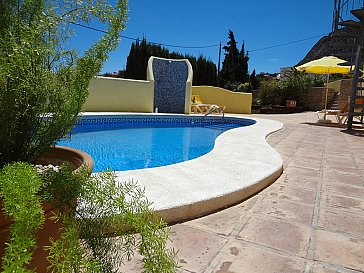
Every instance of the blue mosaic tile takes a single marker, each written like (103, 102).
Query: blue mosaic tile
(93, 123)
(169, 85)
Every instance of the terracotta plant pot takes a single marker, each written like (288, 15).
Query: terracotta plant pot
(55, 156)
(60, 154)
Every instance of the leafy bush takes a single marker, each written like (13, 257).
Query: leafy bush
(269, 93)
(318, 81)
(295, 87)
(113, 219)
(19, 188)
(243, 87)
(43, 85)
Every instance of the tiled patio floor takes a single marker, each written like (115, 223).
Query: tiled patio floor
(311, 220)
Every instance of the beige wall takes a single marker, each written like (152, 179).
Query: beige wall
(235, 102)
(120, 95)
(315, 98)
(335, 85)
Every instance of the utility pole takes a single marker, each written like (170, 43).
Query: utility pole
(218, 64)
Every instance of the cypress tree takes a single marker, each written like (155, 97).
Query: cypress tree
(228, 71)
(204, 71)
(242, 73)
(235, 65)
(254, 81)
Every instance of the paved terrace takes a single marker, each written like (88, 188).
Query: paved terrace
(311, 220)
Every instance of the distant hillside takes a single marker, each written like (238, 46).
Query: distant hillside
(342, 44)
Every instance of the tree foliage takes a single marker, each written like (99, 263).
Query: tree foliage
(204, 71)
(295, 86)
(43, 84)
(235, 65)
(292, 87)
(114, 220)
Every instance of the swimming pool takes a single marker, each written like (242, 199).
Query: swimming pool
(132, 142)
(240, 164)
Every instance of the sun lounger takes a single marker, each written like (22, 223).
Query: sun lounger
(341, 115)
(198, 107)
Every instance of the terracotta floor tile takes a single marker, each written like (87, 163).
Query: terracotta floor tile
(196, 248)
(308, 156)
(351, 179)
(353, 205)
(342, 221)
(298, 182)
(343, 189)
(224, 221)
(338, 168)
(339, 250)
(277, 234)
(292, 193)
(305, 164)
(283, 209)
(301, 172)
(325, 269)
(361, 167)
(242, 258)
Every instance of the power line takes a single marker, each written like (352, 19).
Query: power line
(153, 43)
(288, 43)
(207, 46)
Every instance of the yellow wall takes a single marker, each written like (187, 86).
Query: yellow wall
(335, 85)
(120, 95)
(235, 102)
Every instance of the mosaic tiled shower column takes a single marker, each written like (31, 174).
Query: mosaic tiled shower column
(169, 85)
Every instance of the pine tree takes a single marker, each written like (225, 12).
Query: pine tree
(254, 81)
(204, 71)
(242, 73)
(227, 74)
(235, 65)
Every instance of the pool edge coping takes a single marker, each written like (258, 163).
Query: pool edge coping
(199, 207)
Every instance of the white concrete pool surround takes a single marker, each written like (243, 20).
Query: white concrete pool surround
(241, 164)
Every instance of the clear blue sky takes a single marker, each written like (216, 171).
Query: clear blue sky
(260, 24)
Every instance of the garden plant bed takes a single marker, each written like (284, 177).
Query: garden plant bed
(282, 110)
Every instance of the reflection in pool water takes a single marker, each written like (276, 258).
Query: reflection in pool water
(139, 148)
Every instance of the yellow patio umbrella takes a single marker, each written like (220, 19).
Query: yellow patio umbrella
(326, 66)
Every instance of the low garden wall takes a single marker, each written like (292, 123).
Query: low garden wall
(235, 102)
(124, 95)
(120, 95)
(345, 92)
(315, 98)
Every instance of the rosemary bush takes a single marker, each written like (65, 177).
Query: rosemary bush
(113, 221)
(19, 188)
(43, 85)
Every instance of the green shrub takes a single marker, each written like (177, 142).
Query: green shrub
(318, 81)
(19, 188)
(295, 87)
(43, 85)
(269, 93)
(243, 87)
(113, 220)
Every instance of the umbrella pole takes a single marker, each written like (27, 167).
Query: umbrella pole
(327, 89)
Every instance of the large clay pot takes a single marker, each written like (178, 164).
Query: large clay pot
(55, 156)
(60, 154)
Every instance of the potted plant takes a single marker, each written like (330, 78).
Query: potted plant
(43, 86)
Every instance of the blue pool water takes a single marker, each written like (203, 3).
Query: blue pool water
(139, 148)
